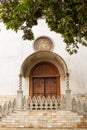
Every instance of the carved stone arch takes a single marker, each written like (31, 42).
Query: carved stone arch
(42, 56)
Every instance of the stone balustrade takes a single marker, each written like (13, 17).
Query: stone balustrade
(7, 108)
(42, 103)
(79, 106)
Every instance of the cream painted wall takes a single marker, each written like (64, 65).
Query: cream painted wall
(13, 51)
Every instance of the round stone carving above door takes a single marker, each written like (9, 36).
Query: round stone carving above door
(43, 43)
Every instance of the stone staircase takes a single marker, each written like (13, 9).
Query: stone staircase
(43, 119)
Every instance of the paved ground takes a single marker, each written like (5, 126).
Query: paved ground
(41, 129)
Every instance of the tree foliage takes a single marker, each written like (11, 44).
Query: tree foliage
(67, 17)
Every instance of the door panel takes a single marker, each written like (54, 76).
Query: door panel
(51, 86)
(38, 87)
(44, 87)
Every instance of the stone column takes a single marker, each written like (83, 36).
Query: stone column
(68, 94)
(20, 94)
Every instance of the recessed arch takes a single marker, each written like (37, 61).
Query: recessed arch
(41, 56)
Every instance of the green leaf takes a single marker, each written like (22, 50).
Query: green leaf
(69, 18)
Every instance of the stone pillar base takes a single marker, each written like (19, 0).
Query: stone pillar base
(19, 99)
(68, 99)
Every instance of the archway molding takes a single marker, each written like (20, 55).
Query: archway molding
(41, 56)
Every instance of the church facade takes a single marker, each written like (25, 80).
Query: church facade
(40, 68)
(20, 57)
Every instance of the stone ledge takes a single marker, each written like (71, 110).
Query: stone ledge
(41, 128)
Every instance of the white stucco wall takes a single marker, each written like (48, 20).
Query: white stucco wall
(13, 51)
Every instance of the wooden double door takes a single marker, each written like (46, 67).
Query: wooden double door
(45, 86)
(44, 80)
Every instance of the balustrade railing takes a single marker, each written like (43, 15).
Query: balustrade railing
(41, 103)
(79, 106)
(7, 108)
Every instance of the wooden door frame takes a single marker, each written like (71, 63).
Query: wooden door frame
(31, 85)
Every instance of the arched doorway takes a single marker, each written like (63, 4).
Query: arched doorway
(44, 80)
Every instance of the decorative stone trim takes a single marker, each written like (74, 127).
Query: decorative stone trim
(43, 44)
(43, 103)
(20, 81)
(67, 80)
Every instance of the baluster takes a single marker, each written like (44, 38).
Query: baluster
(14, 104)
(63, 103)
(10, 107)
(4, 110)
(28, 102)
(35, 103)
(34, 100)
(0, 111)
(31, 105)
(58, 102)
(85, 109)
(54, 102)
(48, 102)
(44, 103)
(39, 103)
(79, 107)
(74, 105)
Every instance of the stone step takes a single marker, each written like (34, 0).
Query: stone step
(41, 129)
(42, 119)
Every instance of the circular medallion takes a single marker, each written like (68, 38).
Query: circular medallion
(43, 43)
